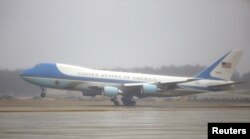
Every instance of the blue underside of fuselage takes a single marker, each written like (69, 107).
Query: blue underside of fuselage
(47, 70)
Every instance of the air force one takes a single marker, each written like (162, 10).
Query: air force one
(91, 82)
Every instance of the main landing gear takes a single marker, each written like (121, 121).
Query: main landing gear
(115, 100)
(43, 94)
(127, 101)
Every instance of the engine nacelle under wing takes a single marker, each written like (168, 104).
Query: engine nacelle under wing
(148, 89)
(110, 91)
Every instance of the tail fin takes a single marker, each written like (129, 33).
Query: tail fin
(223, 68)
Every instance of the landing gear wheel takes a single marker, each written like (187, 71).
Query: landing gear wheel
(115, 100)
(43, 94)
(133, 102)
(116, 103)
(128, 101)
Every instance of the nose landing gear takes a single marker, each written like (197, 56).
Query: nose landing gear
(43, 94)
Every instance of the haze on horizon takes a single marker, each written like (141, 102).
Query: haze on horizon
(124, 33)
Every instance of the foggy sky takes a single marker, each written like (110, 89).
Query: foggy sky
(122, 33)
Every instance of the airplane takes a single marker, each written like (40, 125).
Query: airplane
(126, 85)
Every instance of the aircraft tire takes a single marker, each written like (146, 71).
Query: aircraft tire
(43, 94)
(128, 101)
(116, 103)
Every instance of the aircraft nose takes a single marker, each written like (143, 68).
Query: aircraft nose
(26, 72)
(23, 73)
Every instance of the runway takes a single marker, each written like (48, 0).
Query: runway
(75, 119)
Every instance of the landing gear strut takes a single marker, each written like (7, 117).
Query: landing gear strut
(115, 100)
(128, 101)
(43, 94)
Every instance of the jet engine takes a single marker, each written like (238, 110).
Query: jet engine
(110, 91)
(148, 89)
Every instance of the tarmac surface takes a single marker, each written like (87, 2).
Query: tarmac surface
(69, 118)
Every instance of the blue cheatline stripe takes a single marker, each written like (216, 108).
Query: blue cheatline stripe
(48, 70)
(205, 74)
(90, 79)
(48, 82)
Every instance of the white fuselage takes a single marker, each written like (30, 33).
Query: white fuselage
(83, 79)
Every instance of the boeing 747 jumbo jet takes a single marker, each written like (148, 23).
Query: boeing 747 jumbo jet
(91, 82)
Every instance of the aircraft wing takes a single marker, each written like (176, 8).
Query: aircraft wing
(163, 85)
(177, 82)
